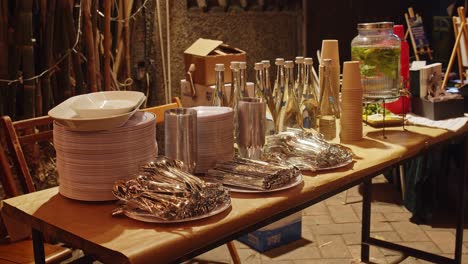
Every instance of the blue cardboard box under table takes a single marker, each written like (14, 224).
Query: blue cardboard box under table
(277, 234)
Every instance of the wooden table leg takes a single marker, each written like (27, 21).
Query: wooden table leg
(233, 251)
(38, 245)
(461, 204)
(366, 218)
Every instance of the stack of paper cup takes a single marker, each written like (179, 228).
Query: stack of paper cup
(330, 50)
(351, 103)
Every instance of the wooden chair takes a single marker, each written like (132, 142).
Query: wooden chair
(159, 111)
(25, 135)
(21, 135)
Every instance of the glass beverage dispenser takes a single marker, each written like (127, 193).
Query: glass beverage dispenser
(378, 51)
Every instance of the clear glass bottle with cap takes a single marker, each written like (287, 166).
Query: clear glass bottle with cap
(299, 82)
(259, 81)
(289, 114)
(278, 87)
(326, 114)
(378, 51)
(235, 93)
(243, 78)
(219, 97)
(268, 95)
(309, 102)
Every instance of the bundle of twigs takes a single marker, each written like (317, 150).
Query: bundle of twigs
(51, 50)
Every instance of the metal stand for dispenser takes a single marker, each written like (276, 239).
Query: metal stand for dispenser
(402, 92)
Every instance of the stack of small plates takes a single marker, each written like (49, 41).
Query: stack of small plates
(89, 163)
(215, 136)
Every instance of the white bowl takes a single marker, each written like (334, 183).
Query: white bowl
(105, 104)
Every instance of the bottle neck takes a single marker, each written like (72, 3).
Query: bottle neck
(300, 73)
(259, 83)
(267, 79)
(219, 81)
(242, 79)
(279, 73)
(309, 81)
(289, 81)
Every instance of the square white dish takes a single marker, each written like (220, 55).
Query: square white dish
(66, 116)
(105, 104)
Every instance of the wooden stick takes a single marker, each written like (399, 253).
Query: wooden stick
(4, 55)
(128, 4)
(411, 12)
(168, 46)
(97, 43)
(459, 56)
(61, 46)
(413, 43)
(461, 14)
(25, 26)
(161, 43)
(118, 56)
(452, 57)
(120, 16)
(89, 42)
(107, 44)
(70, 28)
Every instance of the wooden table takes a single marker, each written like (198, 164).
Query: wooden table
(90, 226)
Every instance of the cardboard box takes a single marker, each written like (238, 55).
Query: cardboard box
(438, 110)
(464, 92)
(205, 54)
(204, 93)
(424, 79)
(274, 235)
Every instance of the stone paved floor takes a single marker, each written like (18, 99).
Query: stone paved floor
(331, 233)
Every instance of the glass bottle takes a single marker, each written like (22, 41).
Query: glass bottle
(309, 101)
(219, 97)
(266, 83)
(289, 114)
(278, 87)
(235, 94)
(268, 96)
(330, 50)
(326, 113)
(299, 82)
(243, 78)
(378, 51)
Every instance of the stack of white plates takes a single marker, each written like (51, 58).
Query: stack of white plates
(215, 136)
(89, 163)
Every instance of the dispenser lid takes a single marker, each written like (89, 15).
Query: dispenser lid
(376, 25)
